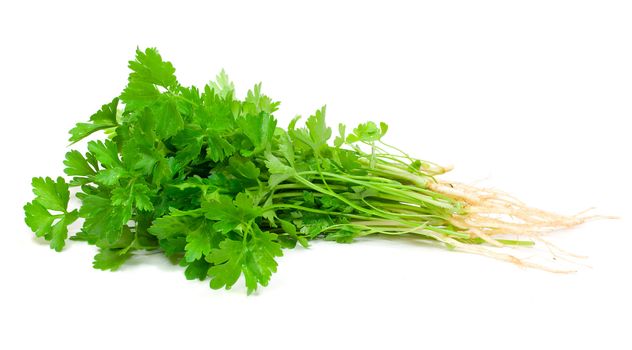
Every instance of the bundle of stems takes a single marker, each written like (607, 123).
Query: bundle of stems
(403, 196)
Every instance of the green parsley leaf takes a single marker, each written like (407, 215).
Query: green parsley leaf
(106, 153)
(172, 226)
(232, 214)
(256, 102)
(105, 118)
(315, 134)
(254, 258)
(259, 129)
(77, 165)
(243, 168)
(367, 132)
(222, 85)
(197, 269)
(135, 194)
(110, 259)
(149, 73)
(319, 132)
(51, 196)
(200, 242)
(110, 177)
(168, 119)
(103, 219)
(218, 147)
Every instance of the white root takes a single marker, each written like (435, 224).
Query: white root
(491, 213)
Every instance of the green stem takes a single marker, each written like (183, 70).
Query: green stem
(311, 210)
(408, 195)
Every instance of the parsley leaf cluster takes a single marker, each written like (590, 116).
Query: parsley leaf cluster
(213, 183)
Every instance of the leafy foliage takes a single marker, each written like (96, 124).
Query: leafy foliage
(211, 181)
(47, 215)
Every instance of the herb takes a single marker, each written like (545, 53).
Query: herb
(213, 183)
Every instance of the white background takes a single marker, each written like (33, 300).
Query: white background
(533, 97)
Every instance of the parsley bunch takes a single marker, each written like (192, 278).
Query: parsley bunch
(213, 183)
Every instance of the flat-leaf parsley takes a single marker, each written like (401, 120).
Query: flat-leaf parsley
(212, 182)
